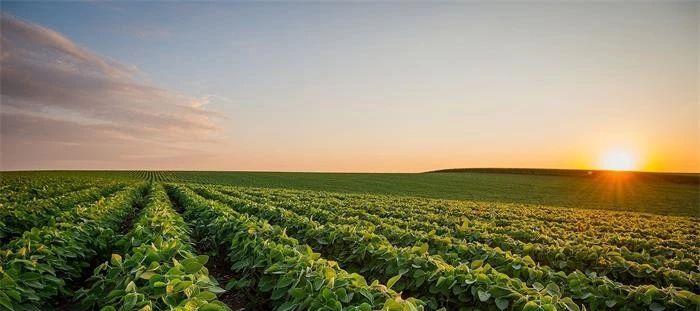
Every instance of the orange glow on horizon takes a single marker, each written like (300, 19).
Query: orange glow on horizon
(619, 160)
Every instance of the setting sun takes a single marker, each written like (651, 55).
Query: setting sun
(618, 160)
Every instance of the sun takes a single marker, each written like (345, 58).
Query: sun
(618, 160)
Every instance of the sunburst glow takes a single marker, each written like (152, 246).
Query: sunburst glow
(618, 160)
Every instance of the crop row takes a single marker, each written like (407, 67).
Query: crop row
(633, 245)
(295, 277)
(20, 192)
(588, 290)
(36, 267)
(657, 235)
(15, 218)
(423, 275)
(469, 224)
(159, 269)
(658, 252)
(157, 176)
(27, 189)
(565, 256)
(633, 249)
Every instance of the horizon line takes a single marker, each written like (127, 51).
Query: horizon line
(435, 171)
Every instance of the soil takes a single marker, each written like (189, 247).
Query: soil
(236, 299)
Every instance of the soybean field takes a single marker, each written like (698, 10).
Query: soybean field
(152, 240)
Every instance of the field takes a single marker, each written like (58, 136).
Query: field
(509, 240)
(657, 194)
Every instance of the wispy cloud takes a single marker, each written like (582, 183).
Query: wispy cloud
(60, 95)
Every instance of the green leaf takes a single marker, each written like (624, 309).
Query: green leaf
(7, 281)
(180, 286)
(538, 286)
(212, 307)
(502, 303)
(298, 293)
(116, 260)
(392, 305)
(285, 281)
(476, 264)
(130, 301)
(549, 307)
(147, 275)
(216, 290)
(5, 302)
(483, 295)
(131, 287)
(191, 265)
(206, 296)
(531, 306)
(569, 304)
(393, 281)
(30, 276)
(342, 294)
(203, 259)
(553, 289)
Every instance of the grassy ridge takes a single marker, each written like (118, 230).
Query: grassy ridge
(623, 192)
(681, 178)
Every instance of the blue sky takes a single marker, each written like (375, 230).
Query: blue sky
(392, 87)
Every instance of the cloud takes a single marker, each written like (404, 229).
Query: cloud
(56, 93)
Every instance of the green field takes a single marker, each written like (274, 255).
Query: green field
(143, 240)
(613, 191)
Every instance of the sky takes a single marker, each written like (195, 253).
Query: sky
(349, 87)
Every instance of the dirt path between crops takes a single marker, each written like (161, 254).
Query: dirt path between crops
(67, 302)
(249, 298)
